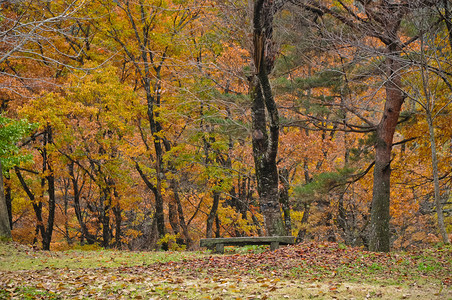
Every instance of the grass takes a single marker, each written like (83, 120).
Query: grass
(14, 257)
(29, 293)
(308, 271)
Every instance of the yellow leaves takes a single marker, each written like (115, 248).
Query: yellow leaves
(296, 217)
(131, 234)
(21, 204)
(229, 217)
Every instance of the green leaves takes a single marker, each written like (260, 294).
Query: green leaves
(11, 132)
(323, 183)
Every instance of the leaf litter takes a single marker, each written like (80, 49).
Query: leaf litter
(309, 270)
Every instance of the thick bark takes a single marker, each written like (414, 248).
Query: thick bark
(265, 144)
(159, 210)
(380, 216)
(212, 215)
(51, 216)
(265, 168)
(284, 198)
(104, 217)
(438, 204)
(48, 139)
(5, 229)
(217, 227)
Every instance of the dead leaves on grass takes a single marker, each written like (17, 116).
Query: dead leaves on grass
(307, 269)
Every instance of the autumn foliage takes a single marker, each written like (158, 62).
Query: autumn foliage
(143, 125)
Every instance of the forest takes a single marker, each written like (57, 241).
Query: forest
(149, 124)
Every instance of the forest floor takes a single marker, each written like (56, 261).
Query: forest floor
(305, 271)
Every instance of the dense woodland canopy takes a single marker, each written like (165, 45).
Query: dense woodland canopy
(144, 124)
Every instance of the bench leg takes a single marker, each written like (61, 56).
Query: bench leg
(274, 246)
(220, 248)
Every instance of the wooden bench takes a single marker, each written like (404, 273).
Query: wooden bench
(219, 243)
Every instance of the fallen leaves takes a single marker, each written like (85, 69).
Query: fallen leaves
(287, 273)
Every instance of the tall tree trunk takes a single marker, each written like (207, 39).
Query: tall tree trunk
(284, 198)
(105, 207)
(67, 214)
(380, 216)
(173, 217)
(217, 226)
(265, 167)
(156, 131)
(212, 214)
(5, 228)
(265, 144)
(8, 197)
(51, 207)
(438, 204)
(159, 207)
(118, 222)
(158, 215)
(48, 139)
(91, 239)
(37, 206)
(183, 224)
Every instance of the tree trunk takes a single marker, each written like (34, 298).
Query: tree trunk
(5, 228)
(51, 216)
(265, 144)
(48, 139)
(438, 204)
(118, 221)
(158, 215)
(173, 217)
(156, 131)
(37, 207)
(380, 216)
(284, 198)
(149, 71)
(212, 214)
(182, 222)
(67, 214)
(8, 198)
(105, 206)
(265, 167)
(91, 239)
(304, 221)
(448, 20)
(159, 209)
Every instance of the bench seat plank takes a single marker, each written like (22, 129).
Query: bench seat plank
(273, 241)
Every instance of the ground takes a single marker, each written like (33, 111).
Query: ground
(304, 271)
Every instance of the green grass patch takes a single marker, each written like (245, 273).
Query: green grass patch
(28, 293)
(248, 249)
(15, 257)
